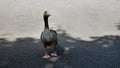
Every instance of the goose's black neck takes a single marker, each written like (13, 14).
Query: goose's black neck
(46, 22)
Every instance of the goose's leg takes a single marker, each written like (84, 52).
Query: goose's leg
(46, 55)
(55, 51)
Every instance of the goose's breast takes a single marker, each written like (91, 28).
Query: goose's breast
(47, 36)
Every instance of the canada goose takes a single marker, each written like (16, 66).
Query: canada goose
(48, 37)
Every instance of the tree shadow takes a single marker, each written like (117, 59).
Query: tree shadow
(118, 26)
(101, 52)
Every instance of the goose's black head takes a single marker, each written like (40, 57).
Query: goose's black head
(47, 14)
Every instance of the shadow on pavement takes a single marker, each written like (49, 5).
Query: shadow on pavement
(118, 26)
(101, 52)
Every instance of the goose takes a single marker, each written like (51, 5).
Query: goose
(48, 37)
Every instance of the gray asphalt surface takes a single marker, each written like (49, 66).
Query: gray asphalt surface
(80, 18)
(89, 33)
(102, 52)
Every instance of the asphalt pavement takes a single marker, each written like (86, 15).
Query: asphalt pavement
(89, 33)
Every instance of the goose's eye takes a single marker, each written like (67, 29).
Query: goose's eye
(45, 11)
